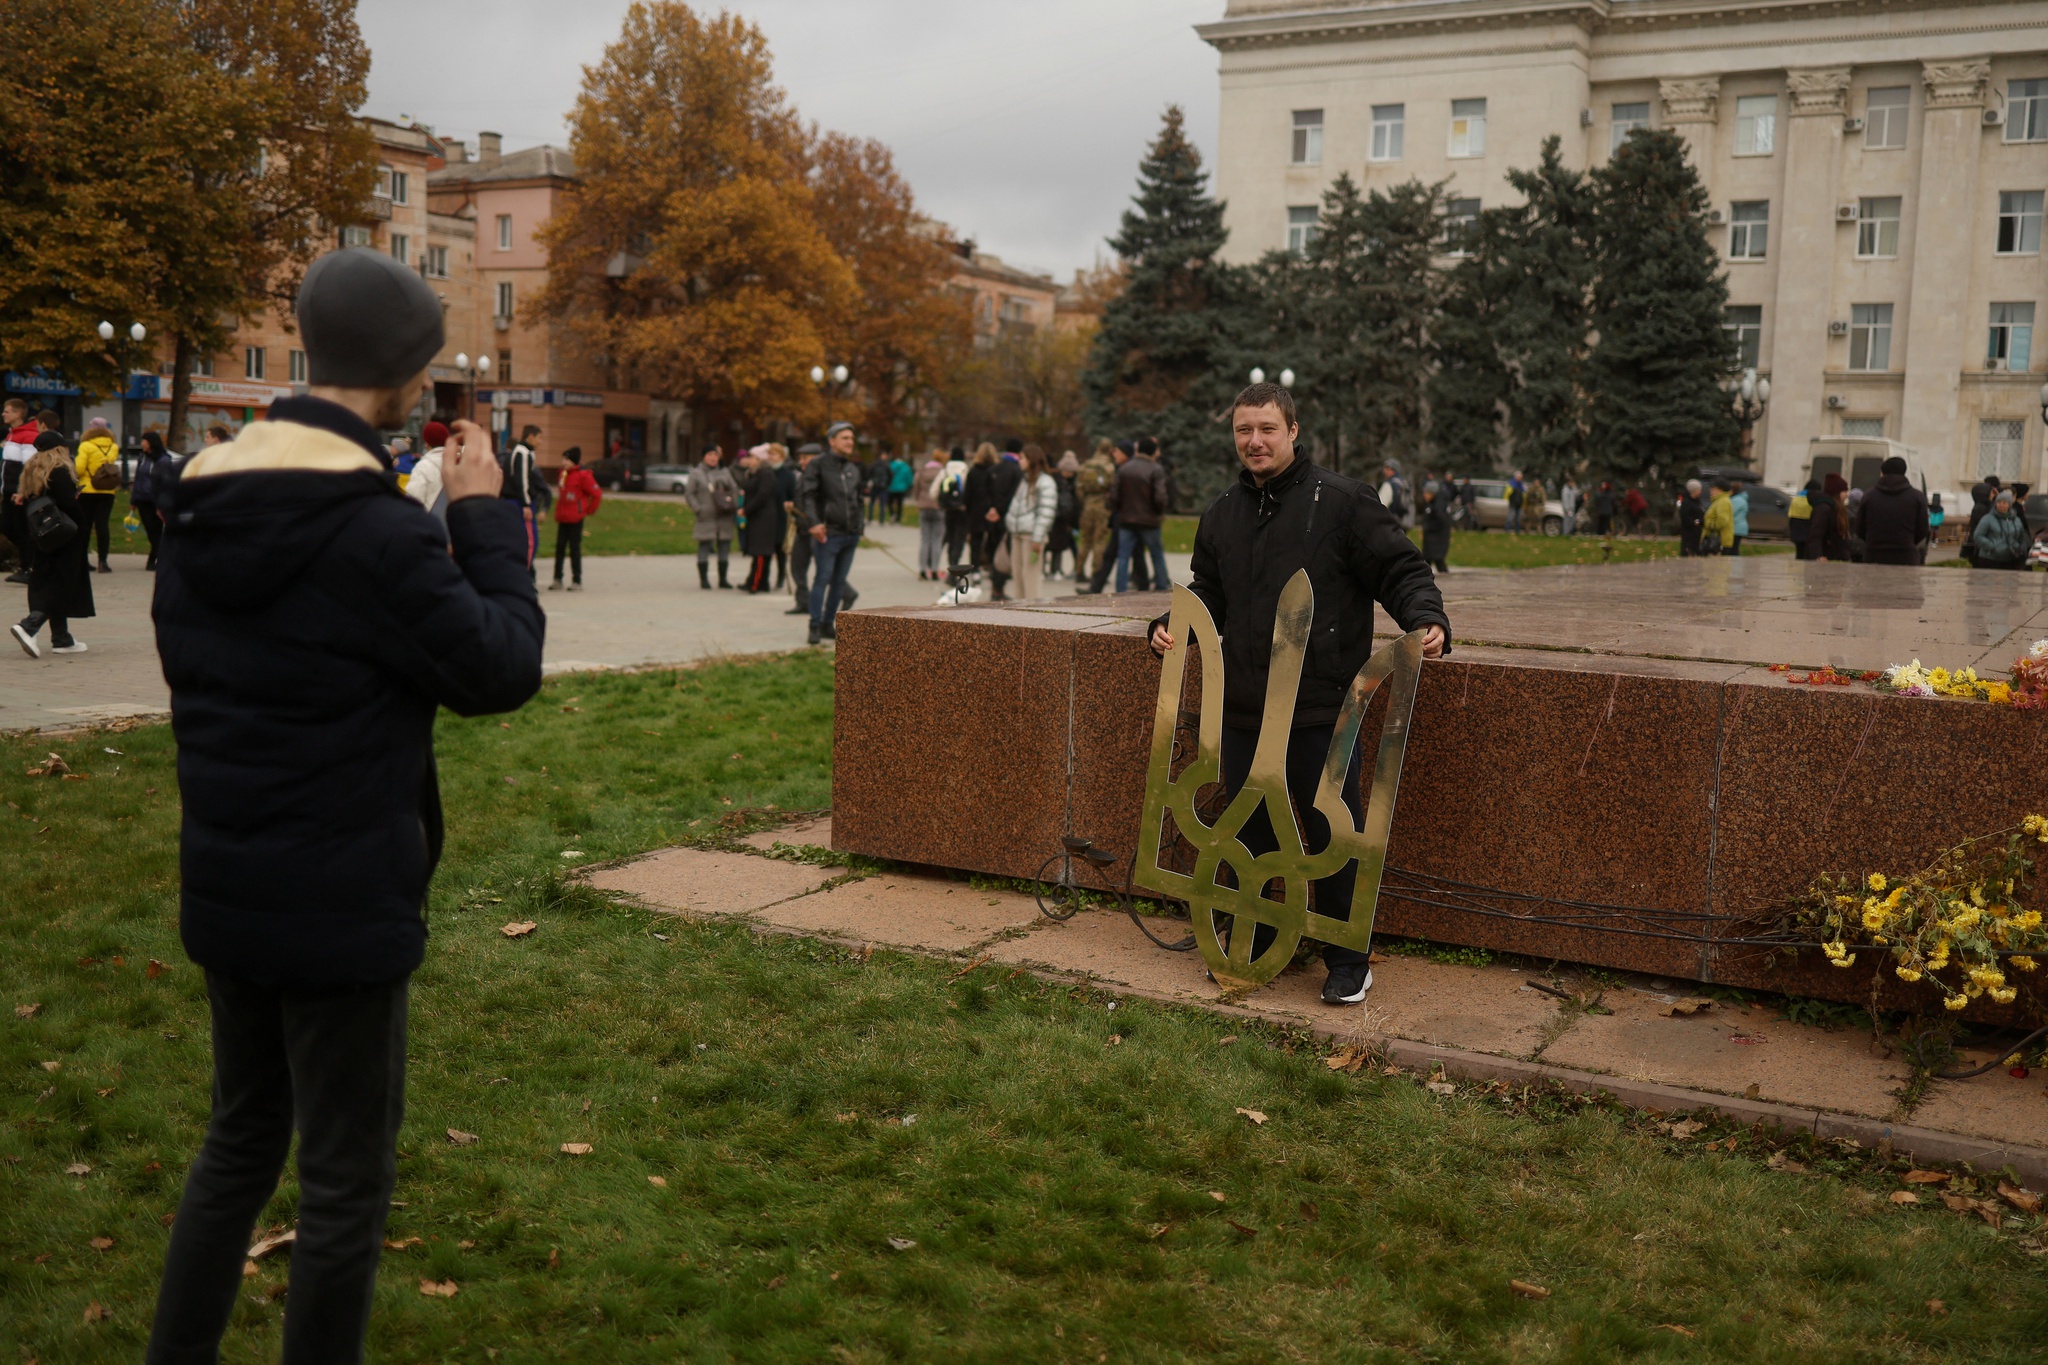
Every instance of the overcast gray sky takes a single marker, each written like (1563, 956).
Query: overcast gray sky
(1019, 122)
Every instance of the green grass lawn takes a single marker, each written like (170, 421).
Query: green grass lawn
(1057, 1180)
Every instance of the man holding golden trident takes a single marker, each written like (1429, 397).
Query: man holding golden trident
(1285, 515)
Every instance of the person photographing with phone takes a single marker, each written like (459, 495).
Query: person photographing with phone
(311, 621)
(1284, 514)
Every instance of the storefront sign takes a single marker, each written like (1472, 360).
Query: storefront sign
(576, 398)
(39, 382)
(143, 387)
(529, 398)
(237, 393)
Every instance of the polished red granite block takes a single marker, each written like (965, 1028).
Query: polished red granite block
(1657, 806)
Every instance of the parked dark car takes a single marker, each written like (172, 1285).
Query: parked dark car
(1769, 508)
(620, 473)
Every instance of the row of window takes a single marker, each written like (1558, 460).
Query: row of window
(2009, 344)
(1877, 226)
(1885, 115)
(256, 365)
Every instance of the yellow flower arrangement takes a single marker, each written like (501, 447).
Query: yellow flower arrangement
(1965, 910)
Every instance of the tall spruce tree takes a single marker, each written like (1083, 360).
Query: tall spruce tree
(1549, 260)
(1656, 377)
(1163, 362)
(1471, 383)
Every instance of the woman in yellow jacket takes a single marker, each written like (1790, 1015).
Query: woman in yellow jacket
(97, 450)
(1718, 530)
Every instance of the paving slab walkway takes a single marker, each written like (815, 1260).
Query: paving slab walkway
(1482, 1022)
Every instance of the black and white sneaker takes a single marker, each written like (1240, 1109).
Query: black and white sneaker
(1347, 984)
(69, 647)
(26, 641)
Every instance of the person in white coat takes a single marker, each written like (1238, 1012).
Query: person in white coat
(1033, 508)
(424, 486)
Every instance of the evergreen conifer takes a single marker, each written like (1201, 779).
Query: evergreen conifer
(1550, 262)
(1471, 383)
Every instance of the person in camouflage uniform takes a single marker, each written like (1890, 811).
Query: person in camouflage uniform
(1093, 484)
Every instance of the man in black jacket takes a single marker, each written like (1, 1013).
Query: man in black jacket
(1892, 518)
(311, 619)
(1138, 501)
(828, 499)
(1285, 514)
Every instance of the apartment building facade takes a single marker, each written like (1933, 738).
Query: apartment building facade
(1876, 171)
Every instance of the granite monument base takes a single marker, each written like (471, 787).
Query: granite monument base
(1604, 771)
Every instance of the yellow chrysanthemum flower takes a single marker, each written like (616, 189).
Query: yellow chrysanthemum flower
(1987, 976)
(1956, 1002)
(1907, 973)
(2004, 996)
(1834, 949)
(2025, 964)
(1938, 676)
(1892, 901)
(1977, 895)
(2030, 919)
(1877, 882)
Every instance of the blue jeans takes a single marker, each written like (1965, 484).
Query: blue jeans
(1128, 539)
(831, 561)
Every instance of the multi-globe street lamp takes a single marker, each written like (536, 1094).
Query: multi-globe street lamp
(470, 374)
(1752, 396)
(1258, 376)
(122, 362)
(837, 374)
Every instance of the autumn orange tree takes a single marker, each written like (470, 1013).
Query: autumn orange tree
(689, 256)
(175, 162)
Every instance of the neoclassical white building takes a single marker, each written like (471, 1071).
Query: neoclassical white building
(1877, 171)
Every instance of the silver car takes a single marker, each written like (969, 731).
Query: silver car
(666, 478)
(1489, 511)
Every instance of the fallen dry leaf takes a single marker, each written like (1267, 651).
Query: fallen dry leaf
(1754, 1090)
(586, 1106)
(1440, 1087)
(1925, 1177)
(1347, 1059)
(1674, 1327)
(660, 1182)
(1117, 1039)
(27, 1011)
(1697, 1004)
(250, 1270)
(100, 1243)
(1249, 1232)
(93, 1311)
(1937, 1307)
(972, 965)
(53, 1066)
(1308, 1211)
(1527, 1290)
(2026, 1201)
(1159, 1230)
(1218, 1196)
(1226, 1041)
(460, 1138)
(1683, 1129)
(269, 1244)
(438, 1289)
(1258, 1119)
(154, 970)
(554, 1258)
(519, 928)
(1904, 1197)
(1780, 1162)
(467, 1244)
(778, 1282)
(901, 1244)
(576, 1148)
(402, 1243)
(845, 1118)
(78, 1168)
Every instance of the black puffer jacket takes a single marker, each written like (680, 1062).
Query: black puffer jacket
(1892, 521)
(1253, 539)
(311, 619)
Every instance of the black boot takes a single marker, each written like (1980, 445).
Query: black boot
(722, 580)
(703, 574)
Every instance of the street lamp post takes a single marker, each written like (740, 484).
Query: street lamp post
(470, 374)
(1752, 396)
(1258, 376)
(122, 357)
(837, 375)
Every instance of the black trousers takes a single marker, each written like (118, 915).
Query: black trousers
(99, 510)
(332, 1065)
(14, 518)
(800, 569)
(569, 541)
(152, 526)
(956, 536)
(1307, 747)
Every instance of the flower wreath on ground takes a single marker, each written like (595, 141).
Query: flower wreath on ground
(2027, 691)
(1956, 925)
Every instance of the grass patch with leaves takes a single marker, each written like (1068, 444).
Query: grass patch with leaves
(766, 1113)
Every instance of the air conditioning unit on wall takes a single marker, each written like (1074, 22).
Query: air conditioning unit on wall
(1994, 363)
(1845, 213)
(1716, 218)
(1852, 124)
(1585, 118)
(1838, 328)
(1835, 400)
(1994, 118)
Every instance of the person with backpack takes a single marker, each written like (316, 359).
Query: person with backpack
(60, 578)
(952, 498)
(98, 466)
(520, 466)
(931, 519)
(1092, 486)
(575, 504)
(1516, 496)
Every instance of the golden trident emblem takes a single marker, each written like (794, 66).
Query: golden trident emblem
(1217, 846)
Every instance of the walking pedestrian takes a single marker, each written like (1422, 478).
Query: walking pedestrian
(802, 548)
(829, 501)
(901, 479)
(952, 495)
(714, 498)
(1436, 526)
(1827, 535)
(785, 491)
(878, 478)
(1937, 515)
(1283, 515)
(1034, 506)
(1738, 508)
(1092, 485)
(1717, 526)
(1606, 508)
(576, 502)
(98, 466)
(15, 455)
(1691, 516)
(522, 471)
(1468, 505)
(1534, 512)
(149, 466)
(2001, 538)
(1568, 498)
(931, 518)
(303, 698)
(60, 576)
(1892, 520)
(1516, 490)
(761, 536)
(1139, 501)
(428, 485)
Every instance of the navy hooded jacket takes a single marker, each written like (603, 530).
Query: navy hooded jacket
(310, 619)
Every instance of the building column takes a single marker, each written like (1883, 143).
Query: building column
(1805, 243)
(1690, 108)
(1939, 336)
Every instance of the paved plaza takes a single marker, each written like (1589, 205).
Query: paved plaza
(634, 610)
